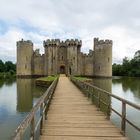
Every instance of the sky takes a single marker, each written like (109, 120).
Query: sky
(38, 20)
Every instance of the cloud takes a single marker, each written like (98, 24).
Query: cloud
(8, 43)
(38, 20)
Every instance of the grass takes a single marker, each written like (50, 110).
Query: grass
(81, 78)
(48, 78)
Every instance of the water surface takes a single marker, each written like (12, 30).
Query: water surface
(17, 97)
(127, 88)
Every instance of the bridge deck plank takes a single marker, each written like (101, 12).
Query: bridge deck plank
(72, 117)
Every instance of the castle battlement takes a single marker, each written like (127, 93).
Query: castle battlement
(101, 42)
(24, 43)
(73, 42)
(57, 42)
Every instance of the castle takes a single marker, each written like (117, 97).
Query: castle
(64, 57)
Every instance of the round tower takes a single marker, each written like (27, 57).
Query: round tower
(102, 58)
(24, 58)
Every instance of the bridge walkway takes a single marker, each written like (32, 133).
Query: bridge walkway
(72, 117)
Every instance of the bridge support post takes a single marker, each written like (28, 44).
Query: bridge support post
(98, 100)
(32, 128)
(42, 117)
(123, 123)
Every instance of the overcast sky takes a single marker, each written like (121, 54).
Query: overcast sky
(38, 20)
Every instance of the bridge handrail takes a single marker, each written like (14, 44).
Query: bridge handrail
(88, 87)
(43, 105)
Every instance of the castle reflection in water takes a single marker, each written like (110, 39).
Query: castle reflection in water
(27, 93)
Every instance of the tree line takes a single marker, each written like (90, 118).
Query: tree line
(7, 69)
(129, 67)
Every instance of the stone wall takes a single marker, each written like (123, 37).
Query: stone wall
(88, 66)
(38, 64)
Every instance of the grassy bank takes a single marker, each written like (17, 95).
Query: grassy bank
(45, 81)
(82, 78)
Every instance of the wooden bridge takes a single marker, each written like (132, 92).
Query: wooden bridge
(70, 116)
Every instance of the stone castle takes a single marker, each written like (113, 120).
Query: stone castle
(64, 57)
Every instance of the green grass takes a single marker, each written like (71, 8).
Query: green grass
(48, 78)
(81, 78)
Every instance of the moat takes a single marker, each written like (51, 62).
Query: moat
(17, 97)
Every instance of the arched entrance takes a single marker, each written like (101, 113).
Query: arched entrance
(70, 70)
(62, 69)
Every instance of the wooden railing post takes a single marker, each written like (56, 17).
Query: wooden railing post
(109, 107)
(93, 94)
(123, 123)
(32, 129)
(98, 100)
(46, 110)
(88, 92)
(42, 118)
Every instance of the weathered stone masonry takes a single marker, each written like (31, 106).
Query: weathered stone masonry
(64, 57)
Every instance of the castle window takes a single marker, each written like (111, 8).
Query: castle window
(54, 57)
(99, 67)
(25, 66)
(108, 59)
(73, 58)
(62, 57)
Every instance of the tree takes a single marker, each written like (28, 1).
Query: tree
(137, 54)
(117, 69)
(128, 67)
(9, 66)
(136, 59)
(2, 66)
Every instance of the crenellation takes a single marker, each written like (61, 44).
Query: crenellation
(75, 42)
(107, 41)
(57, 42)
(96, 41)
(24, 43)
(101, 42)
(52, 42)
